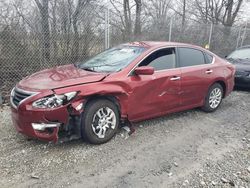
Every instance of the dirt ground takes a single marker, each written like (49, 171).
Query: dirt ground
(187, 149)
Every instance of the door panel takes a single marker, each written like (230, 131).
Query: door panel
(154, 94)
(194, 84)
(196, 76)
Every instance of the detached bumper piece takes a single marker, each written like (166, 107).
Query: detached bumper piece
(46, 131)
(44, 126)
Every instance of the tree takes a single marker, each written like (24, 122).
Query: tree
(218, 11)
(137, 30)
(183, 14)
(127, 18)
(158, 11)
(53, 28)
(44, 12)
(75, 18)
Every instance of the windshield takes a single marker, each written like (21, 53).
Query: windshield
(240, 54)
(112, 60)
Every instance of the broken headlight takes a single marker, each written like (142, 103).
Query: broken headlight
(54, 101)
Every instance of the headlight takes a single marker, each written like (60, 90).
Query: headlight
(54, 101)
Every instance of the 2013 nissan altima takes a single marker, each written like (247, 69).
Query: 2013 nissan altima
(130, 82)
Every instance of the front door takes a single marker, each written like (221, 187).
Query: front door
(153, 95)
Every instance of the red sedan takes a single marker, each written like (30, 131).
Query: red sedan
(130, 82)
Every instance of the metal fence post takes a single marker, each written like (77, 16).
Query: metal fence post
(170, 30)
(106, 32)
(210, 35)
(1, 99)
(238, 38)
(107, 28)
(244, 35)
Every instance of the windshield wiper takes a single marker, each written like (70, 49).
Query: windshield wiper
(88, 69)
(75, 64)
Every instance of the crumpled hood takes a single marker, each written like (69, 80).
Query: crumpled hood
(59, 77)
(241, 64)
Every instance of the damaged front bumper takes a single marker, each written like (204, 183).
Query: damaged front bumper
(45, 123)
(42, 125)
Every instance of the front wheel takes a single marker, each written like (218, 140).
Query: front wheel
(213, 98)
(100, 121)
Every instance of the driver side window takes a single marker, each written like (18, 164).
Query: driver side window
(161, 59)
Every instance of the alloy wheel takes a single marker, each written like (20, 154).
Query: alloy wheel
(215, 98)
(104, 121)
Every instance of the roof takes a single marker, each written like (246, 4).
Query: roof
(162, 44)
(156, 44)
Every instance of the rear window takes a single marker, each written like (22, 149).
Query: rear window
(209, 58)
(190, 57)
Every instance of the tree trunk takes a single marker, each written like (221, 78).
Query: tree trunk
(137, 30)
(44, 11)
(226, 33)
(76, 41)
(75, 49)
(54, 32)
(230, 17)
(183, 15)
(127, 17)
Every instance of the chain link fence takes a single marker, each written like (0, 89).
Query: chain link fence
(75, 36)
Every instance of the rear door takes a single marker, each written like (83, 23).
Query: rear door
(158, 93)
(196, 75)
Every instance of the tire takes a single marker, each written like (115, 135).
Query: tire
(99, 121)
(213, 103)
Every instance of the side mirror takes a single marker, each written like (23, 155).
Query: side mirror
(144, 70)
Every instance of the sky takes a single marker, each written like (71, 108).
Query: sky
(246, 10)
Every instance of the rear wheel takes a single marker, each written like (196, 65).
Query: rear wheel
(100, 121)
(213, 98)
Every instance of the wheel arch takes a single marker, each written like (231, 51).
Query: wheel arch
(86, 122)
(224, 86)
(109, 97)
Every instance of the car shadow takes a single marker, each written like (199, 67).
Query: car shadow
(244, 89)
(145, 123)
(82, 143)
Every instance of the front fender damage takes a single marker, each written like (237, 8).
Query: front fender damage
(59, 117)
(117, 92)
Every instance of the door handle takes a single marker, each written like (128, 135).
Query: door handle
(209, 71)
(175, 78)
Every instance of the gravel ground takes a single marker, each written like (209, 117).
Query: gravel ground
(187, 149)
